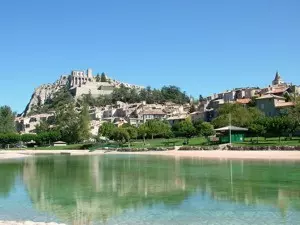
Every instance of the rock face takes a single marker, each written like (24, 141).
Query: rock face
(78, 83)
(44, 92)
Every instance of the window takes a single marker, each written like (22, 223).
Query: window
(262, 106)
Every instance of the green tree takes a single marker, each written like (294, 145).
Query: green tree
(7, 120)
(98, 79)
(87, 99)
(258, 129)
(9, 139)
(28, 137)
(60, 99)
(201, 99)
(132, 131)
(120, 135)
(294, 114)
(143, 131)
(204, 129)
(107, 129)
(103, 77)
(185, 129)
(279, 126)
(240, 116)
(84, 123)
(46, 138)
(154, 127)
(174, 94)
(67, 123)
(42, 127)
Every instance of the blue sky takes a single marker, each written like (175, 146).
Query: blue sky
(202, 46)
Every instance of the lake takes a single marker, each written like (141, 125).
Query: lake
(140, 189)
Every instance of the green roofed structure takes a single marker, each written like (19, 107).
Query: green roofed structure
(231, 134)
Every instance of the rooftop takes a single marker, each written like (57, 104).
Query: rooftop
(270, 96)
(243, 100)
(284, 104)
(233, 128)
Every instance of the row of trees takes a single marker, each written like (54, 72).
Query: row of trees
(132, 95)
(154, 129)
(39, 139)
(285, 124)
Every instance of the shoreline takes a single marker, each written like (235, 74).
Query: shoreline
(211, 154)
(4, 222)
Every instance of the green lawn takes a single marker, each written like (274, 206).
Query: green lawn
(269, 142)
(167, 142)
(196, 141)
(68, 147)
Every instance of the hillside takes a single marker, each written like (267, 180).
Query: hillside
(77, 83)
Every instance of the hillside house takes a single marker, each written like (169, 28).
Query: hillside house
(272, 105)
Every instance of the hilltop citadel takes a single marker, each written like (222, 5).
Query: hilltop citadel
(271, 100)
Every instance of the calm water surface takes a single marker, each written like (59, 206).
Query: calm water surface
(123, 189)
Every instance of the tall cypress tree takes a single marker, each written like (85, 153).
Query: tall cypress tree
(7, 120)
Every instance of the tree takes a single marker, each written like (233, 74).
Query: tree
(103, 77)
(7, 120)
(240, 116)
(201, 99)
(143, 131)
(120, 135)
(98, 79)
(42, 127)
(86, 99)
(294, 114)
(154, 127)
(9, 138)
(174, 94)
(67, 123)
(60, 99)
(204, 129)
(107, 129)
(185, 129)
(48, 137)
(28, 137)
(132, 131)
(258, 129)
(279, 126)
(84, 123)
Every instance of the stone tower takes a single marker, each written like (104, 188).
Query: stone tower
(277, 80)
(89, 73)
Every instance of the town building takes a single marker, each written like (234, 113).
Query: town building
(272, 105)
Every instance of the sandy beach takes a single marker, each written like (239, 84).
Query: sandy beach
(215, 154)
(27, 223)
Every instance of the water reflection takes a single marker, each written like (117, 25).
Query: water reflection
(8, 174)
(81, 190)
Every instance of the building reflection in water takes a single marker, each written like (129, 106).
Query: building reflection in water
(81, 190)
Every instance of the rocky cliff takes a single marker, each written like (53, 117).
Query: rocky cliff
(44, 92)
(77, 85)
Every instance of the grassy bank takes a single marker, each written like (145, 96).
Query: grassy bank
(269, 142)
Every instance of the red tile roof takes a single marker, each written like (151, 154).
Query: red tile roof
(277, 90)
(243, 100)
(284, 104)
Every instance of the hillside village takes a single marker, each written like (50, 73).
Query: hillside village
(270, 100)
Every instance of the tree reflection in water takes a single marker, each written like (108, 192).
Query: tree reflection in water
(95, 188)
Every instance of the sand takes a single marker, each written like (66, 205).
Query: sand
(27, 223)
(214, 154)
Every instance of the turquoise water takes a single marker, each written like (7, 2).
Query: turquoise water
(124, 189)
